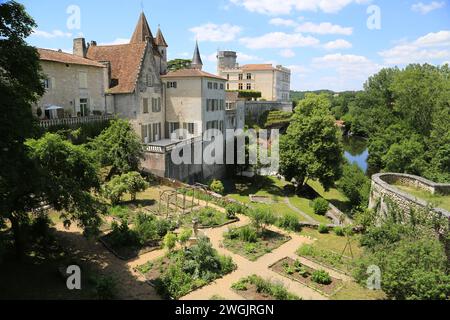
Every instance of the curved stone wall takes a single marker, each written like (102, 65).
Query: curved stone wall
(382, 189)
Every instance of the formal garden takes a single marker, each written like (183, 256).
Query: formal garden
(257, 288)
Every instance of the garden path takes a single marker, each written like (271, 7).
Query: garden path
(261, 267)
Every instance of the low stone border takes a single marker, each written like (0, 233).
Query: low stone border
(324, 265)
(220, 226)
(141, 252)
(303, 284)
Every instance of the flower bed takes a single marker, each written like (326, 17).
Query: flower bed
(318, 280)
(209, 218)
(256, 288)
(252, 245)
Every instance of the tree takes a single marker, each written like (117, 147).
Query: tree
(118, 147)
(261, 218)
(170, 241)
(355, 185)
(312, 148)
(178, 64)
(131, 183)
(135, 183)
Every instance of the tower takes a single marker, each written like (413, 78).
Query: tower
(226, 60)
(162, 49)
(197, 62)
(142, 32)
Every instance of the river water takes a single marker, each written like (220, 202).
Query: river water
(356, 151)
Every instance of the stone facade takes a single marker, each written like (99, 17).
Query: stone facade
(383, 191)
(274, 83)
(71, 85)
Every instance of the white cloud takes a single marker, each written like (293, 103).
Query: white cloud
(279, 40)
(287, 53)
(347, 66)
(216, 33)
(283, 22)
(324, 28)
(338, 44)
(247, 57)
(51, 35)
(431, 47)
(115, 42)
(280, 7)
(427, 8)
(298, 69)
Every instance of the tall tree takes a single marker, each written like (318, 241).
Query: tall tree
(177, 64)
(312, 147)
(118, 147)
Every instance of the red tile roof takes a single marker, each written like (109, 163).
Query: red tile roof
(190, 73)
(258, 67)
(125, 62)
(67, 58)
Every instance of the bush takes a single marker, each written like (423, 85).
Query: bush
(261, 218)
(248, 234)
(149, 228)
(217, 187)
(289, 221)
(240, 286)
(321, 277)
(127, 183)
(105, 288)
(323, 229)
(121, 235)
(339, 231)
(120, 212)
(170, 241)
(233, 209)
(320, 206)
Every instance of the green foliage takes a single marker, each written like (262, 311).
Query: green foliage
(248, 94)
(131, 183)
(277, 291)
(312, 148)
(120, 212)
(339, 231)
(320, 206)
(178, 64)
(192, 268)
(184, 236)
(233, 209)
(217, 187)
(277, 119)
(150, 229)
(121, 235)
(105, 287)
(321, 277)
(355, 185)
(170, 241)
(289, 221)
(118, 147)
(323, 229)
(245, 234)
(261, 218)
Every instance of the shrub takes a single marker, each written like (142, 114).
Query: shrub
(233, 209)
(131, 182)
(323, 229)
(289, 221)
(339, 231)
(240, 286)
(119, 212)
(134, 183)
(217, 187)
(261, 218)
(170, 241)
(248, 234)
(320, 206)
(184, 236)
(105, 288)
(321, 277)
(121, 235)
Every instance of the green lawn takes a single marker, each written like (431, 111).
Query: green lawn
(436, 200)
(333, 195)
(277, 190)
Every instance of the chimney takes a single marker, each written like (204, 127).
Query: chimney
(93, 43)
(79, 47)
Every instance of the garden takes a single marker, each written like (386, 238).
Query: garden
(183, 271)
(319, 280)
(255, 240)
(257, 288)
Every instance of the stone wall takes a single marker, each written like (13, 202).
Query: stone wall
(383, 191)
(254, 110)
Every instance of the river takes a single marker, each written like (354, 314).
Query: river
(356, 151)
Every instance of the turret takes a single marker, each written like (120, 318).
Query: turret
(226, 60)
(197, 62)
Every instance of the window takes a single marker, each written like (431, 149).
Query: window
(190, 127)
(249, 86)
(47, 83)
(249, 76)
(145, 105)
(172, 84)
(156, 105)
(228, 86)
(241, 86)
(210, 85)
(84, 108)
(156, 131)
(221, 105)
(221, 126)
(82, 76)
(228, 76)
(221, 86)
(173, 126)
(149, 80)
(216, 86)
(241, 76)
(144, 133)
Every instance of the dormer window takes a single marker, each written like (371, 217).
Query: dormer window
(149, 80)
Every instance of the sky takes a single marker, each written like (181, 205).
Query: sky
(327, 44)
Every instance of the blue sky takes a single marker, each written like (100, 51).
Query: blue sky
(328, 44)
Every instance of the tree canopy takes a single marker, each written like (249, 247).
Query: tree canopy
(312, 148)
(178, 64)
